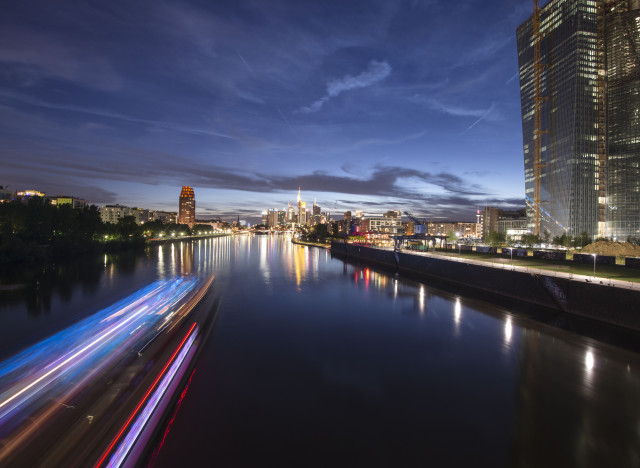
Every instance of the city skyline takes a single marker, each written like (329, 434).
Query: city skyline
(412, 105)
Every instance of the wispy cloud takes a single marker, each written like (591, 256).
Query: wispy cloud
(97, 112)
(376, 71)
(450, 109)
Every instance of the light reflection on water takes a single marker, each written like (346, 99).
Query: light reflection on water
(334, 354)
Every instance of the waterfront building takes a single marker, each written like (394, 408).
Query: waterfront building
(463, 230)
(589, 74)
(272, 218)
(187, 207)
(166, 217)
(141, 215)
(113, 213)
(381, 225)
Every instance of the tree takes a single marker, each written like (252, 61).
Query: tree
(583, 239)
(567, 240)
(320, 231)
(495, 238)
(201, 228)
(127, 228)
(530, 240)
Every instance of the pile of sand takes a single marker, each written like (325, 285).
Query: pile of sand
(618, 249)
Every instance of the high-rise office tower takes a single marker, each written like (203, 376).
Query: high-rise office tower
(291, 215)
(589, 95)
(302, 210)
(622, 40)
(187, 207)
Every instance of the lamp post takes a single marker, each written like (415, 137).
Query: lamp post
(512, 255)
(594, 264)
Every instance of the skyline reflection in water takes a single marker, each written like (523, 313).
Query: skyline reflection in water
(314, 360)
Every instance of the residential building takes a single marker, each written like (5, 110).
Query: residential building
(187, 207)
(489, 219)
(166, 217)
(68, 200)
(113, 213)
(141, 215)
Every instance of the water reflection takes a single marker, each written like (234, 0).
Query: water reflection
(508, 331)
(457, 315)
(380, 355)
(36, 286)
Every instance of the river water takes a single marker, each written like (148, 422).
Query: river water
(318, 362)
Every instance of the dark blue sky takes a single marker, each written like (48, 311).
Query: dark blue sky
(371, 105)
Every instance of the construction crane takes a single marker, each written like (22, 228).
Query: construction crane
(417, 222)
(537, 126)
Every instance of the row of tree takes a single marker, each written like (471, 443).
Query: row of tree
(38, 230)
(495, 238)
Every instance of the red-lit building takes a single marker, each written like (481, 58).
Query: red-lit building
(187, 207)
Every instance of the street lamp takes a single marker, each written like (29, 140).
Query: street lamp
(594, 264)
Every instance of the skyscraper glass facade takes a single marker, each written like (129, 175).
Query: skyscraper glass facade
(590, 82)
(622, 33)
(569, 83)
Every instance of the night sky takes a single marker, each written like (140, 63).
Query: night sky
(372, 105)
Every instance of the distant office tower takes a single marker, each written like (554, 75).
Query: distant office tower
(589, 73)
(187, 207)
(302, 210)
(291, 215)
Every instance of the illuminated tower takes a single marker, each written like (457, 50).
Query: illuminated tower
(302, 210)
(187, 207)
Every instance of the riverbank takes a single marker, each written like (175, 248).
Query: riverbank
(310, 244)
(610, 301)
(19, 252)
(168, 240)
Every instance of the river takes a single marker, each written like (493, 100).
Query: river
(317, 362)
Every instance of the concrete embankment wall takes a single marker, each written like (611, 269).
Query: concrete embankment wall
(617, 306)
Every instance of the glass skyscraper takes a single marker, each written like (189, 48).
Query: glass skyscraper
(589, 81)
(623, 117)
